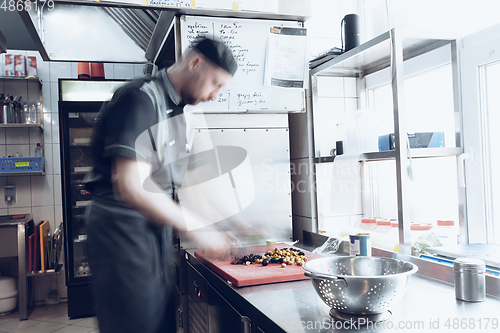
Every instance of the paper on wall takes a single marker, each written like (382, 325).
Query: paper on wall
(286, 63)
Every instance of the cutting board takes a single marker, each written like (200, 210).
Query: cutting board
(254, 274)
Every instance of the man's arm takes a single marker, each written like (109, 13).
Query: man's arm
(128, 178)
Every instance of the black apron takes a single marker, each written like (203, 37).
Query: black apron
(132, 268)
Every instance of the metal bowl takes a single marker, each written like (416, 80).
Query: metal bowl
(359, 285)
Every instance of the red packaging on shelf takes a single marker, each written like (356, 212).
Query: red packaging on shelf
(31, 67)
(20, 65)
(83, 71)
(9, 64)
(97, 70)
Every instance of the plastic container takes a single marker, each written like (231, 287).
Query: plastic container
(422, 237)
(34, 112)
(368, 223)
(470, 279)
(22, 164)
(8, 293)
(383, 226)
(447, 233)
(419, 230)
(38, 150)
(394, 228)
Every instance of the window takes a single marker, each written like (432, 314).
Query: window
(480, 83)
(491, 161)
(433, 190)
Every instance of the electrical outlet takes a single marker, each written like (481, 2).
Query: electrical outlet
(10, 194)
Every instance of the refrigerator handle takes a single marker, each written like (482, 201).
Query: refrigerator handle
(246, 324)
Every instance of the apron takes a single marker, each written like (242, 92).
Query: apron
(132, 270)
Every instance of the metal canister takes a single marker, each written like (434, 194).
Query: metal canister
(5, 111)
(11, 114)
(360, 245)
(470, 279)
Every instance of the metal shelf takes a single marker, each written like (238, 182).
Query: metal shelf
(326, 159)
(20, 78)
(34, 173)
(20, 125)
(375, 54)
(415, 153)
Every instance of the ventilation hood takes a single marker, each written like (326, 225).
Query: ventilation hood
(92, 33)
(125, 33)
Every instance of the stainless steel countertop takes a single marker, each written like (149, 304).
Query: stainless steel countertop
(295, 307)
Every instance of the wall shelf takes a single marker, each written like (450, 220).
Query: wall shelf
(389, 50)
(21, 78)
(325, 159)
(34, 173)
(20, 125)
(415, 153)
(375, 54)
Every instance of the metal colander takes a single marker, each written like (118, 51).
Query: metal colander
(359, 285)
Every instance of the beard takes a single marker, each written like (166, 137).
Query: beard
(187, 98)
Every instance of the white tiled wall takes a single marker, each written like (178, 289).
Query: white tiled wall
(324, 27)
(335, 98)
(336, 95)
(41, 195)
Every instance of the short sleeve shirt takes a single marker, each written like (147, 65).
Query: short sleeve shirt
(130, 114)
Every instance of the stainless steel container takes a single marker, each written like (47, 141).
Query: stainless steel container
(5, 112)
(11, 114)
(470, 279)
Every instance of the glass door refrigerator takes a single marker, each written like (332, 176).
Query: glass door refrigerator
(79, 104)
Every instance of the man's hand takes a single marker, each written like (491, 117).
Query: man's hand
(214, 243)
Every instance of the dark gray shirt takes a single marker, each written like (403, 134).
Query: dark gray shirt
(134, 111)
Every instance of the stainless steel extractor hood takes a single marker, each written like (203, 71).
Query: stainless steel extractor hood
(92, 33)
(3, 43)
(106, 32)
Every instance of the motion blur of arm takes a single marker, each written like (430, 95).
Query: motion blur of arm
(129, 177)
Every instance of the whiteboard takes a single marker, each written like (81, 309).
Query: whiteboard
(247, 39)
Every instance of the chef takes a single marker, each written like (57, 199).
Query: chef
(140, 138)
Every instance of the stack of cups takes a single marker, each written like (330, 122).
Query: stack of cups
(93, 70)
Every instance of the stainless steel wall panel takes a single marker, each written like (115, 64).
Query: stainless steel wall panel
(299, 136)
(246, 121)
(301, 223)
(302, 187)
(269, 212)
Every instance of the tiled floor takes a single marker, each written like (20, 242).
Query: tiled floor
(47, 319)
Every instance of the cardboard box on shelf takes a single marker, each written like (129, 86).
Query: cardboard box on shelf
(8, 64)
(20, 65)
(31, 66)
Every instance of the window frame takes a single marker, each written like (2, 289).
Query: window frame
(478, 51)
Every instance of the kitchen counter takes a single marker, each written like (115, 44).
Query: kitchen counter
(429, 305)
